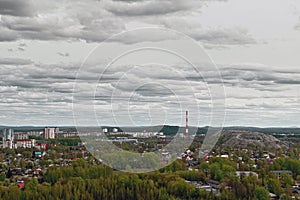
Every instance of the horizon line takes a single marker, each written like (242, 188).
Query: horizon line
(73, 126)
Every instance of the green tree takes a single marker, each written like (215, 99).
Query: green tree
(32, 185)
(261, 193)
(286, 179)
(274, 186)
(2, 176)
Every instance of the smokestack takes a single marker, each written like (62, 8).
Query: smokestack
(186, 124)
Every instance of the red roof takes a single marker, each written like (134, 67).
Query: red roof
(21, 185)
(23, 140)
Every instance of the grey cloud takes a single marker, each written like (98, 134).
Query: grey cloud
(56, 28)
(260, 75)
(289, 81)
(7, 89)
(15, 61)
(7, 35)
(63, 54)
(154, 90)
(98, 24)
(42, 77)
(22, 45)
(263, 105)
(146, 8)
(214, 46)
(57, 77)
(27, 84)
(16, 7)
(50, 88)
(136, 37)
(31, 99)
(29, 25)
(226, 36)
(263, 88)
(214, 37)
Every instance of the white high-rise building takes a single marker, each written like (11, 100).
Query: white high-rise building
(49, 133)
(8, 138)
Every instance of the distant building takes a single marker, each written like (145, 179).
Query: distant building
(14, 140)
(35, 133)
(49, 133)
(115, 130)
(144, 134)
(223, 156)
(56, 130)
(69, 134)
(278, 173)
(240, 174)
(25, 143)
(42, 146)
(105, 130)
(8, 138)
(140, 134)
(20, 136)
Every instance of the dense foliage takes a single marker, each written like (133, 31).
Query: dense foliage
(82, 181)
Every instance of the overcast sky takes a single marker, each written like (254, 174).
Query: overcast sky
(48, 46)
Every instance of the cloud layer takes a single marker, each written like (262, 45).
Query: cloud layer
(40, 91)
(67, 20)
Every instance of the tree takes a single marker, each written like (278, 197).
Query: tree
(261, 193)
(274, 186)
(286, 179)
(32, 185)
(204, 167)
(2, 176)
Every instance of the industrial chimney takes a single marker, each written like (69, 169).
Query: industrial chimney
(186, 124)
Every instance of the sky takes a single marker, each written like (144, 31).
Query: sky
(144, 62)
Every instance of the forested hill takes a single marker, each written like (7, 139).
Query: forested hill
(266, 130)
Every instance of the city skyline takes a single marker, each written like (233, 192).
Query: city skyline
(43, 45)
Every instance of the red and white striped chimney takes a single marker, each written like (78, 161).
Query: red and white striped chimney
(186, 124)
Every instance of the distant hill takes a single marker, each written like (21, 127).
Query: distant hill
(243, 139)
(270, 131)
